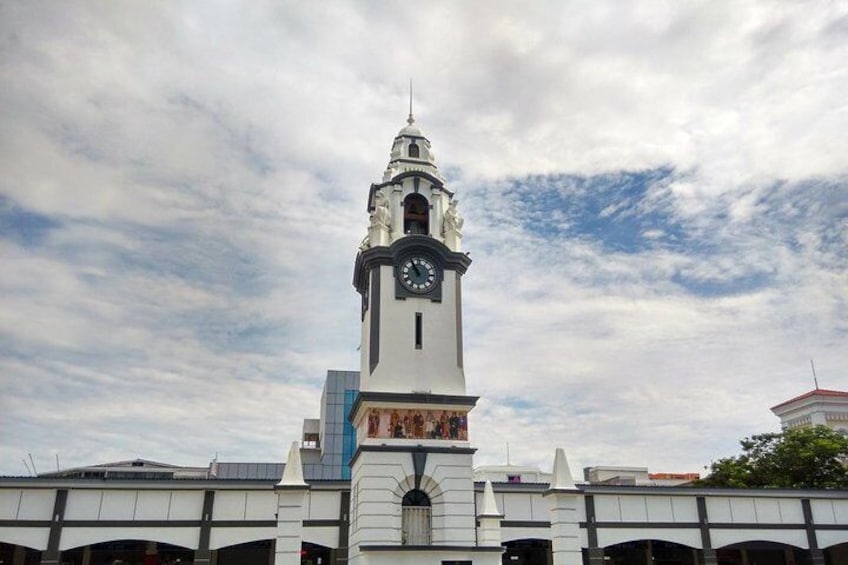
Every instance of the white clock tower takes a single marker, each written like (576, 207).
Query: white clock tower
(412, 492)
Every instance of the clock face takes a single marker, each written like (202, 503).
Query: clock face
(418, 274)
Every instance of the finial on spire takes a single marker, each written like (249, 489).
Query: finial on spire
(410, 120)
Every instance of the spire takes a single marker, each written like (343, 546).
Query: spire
(490, 507)
(411, 151)
(561, 479)
(293, 473)
(410, 120)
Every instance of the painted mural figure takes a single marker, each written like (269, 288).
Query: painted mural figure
(418, 425)
(429, 424)
(374, 423)
(463, 427)
(394, 425)
(453, 422)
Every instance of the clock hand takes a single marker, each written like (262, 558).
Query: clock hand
(416, 269)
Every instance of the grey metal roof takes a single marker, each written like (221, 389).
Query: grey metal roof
(250, 471)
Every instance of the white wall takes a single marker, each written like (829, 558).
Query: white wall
(402, 367)
(381, 479)
(642, 508)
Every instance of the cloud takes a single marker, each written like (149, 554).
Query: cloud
(654, 194)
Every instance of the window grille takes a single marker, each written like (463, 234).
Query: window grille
(416, 526)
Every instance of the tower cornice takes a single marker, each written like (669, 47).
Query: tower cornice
(398, 179)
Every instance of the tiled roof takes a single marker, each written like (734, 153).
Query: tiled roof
(814, 392)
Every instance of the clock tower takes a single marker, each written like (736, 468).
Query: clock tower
(412, 492)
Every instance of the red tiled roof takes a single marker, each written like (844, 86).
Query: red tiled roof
(815, 392)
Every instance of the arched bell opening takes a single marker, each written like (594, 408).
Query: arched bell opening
(416, 215)
(414, 151)
(416, 525)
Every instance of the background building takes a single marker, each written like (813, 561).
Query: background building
(819, 407)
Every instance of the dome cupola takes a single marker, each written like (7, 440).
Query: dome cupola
(411, 152)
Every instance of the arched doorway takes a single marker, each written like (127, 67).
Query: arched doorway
(128, 552)
(650, 552)
(761, 553)
(314, 554)
(527, 552)
(13, 554)
(258, 552)
(836, 554)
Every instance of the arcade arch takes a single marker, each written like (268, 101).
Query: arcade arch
(529, 551)
(650, 552)
(127, 551)
(761, 553)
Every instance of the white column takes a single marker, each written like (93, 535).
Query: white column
(565, 527)
(489, 531)
(289, 536)
(291, 496)
(397, 212)
(436, 214)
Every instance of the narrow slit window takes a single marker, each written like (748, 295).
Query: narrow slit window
(418, 330)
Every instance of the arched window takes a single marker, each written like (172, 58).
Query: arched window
(416, 215)
(415, 518)
(413, 150)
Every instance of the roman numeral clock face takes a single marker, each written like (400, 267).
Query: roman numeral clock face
(418, 274)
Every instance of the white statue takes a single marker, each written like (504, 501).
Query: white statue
(452, 221)
(381, 216)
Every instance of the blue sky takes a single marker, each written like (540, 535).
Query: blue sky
(656, 202)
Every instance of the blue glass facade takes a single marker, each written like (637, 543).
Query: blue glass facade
(349, 435)
(338, 437)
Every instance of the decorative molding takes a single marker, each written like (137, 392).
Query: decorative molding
(458, 300)
(432, 548)
(525, 524)
(374, 326)
(410, 449)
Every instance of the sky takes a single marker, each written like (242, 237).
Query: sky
(655, 198)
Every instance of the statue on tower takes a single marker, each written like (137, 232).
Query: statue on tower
(381, 220)
(381, 216)
(452, 221)
(452, 226)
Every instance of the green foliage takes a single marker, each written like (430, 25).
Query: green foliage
(810, 457)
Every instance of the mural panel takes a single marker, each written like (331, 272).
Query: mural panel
(417, 424)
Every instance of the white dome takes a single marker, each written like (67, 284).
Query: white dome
(411, 152)
(411, 130)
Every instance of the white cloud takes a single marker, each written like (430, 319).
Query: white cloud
(202, 173)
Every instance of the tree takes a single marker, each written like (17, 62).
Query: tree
(809, 457)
